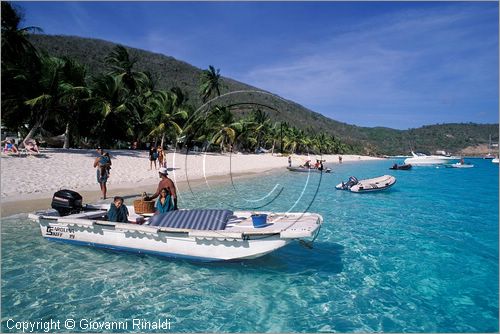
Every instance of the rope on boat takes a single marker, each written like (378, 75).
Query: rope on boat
(309, 244)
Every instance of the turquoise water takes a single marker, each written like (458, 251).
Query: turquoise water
(421, 257)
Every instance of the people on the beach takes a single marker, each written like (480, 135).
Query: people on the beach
(307, 164)
(31, 146)
(167, 183)
(340, 159)
(161, 156)
(117, 211)
(102, 163)
(10, 147)
(153, 155)
(289, 161)
(164, 202)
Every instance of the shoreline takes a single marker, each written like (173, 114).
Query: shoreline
(33, 202)
(28, 183)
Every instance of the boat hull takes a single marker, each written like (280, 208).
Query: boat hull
(458, 165)
(427, 160)
(173, 245)
(239, 241)
(308, 170)
(370, 185)
(401, 167)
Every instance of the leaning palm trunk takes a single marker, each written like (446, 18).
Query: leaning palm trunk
(35, 127)
(66, 137)
(162, 139)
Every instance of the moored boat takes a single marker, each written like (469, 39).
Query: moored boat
(460, 165)
(420, 159)
(401, 167)
(495, 161)
(367, 185)
(308, 170)
(199, 234)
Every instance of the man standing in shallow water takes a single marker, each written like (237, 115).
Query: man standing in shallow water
(165, 182)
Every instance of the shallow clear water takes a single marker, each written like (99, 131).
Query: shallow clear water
(421, 257)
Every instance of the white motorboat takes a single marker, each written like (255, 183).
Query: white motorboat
(367, 185)
(420, 159)
(200, 234)
(495, 161)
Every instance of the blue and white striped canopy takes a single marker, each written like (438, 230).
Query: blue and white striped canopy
(198, 219)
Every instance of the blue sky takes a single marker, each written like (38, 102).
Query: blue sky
(395, 64)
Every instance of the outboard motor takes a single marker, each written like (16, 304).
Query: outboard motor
(67, 202)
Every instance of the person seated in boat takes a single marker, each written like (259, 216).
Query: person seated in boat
(164, 202)
(117, 211)
(462, 162)
(167, 183)
(395, 166)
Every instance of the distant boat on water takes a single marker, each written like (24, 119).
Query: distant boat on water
(489, 155)
(368, 185)
(420, 159)
(400, 167)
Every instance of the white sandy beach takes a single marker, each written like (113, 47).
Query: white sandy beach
(29, 178)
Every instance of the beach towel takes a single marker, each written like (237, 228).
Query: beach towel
(118, 215)
(162, 208)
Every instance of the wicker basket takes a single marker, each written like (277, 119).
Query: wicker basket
(141, 206)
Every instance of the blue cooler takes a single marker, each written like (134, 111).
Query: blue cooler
(259, 220)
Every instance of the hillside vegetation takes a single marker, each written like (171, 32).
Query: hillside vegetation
(168, 72)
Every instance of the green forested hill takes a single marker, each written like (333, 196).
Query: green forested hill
(169, 72)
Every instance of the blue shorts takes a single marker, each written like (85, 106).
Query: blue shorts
(101, 178)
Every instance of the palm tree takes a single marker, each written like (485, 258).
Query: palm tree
(165, 112)
(14, 39)
(210, 83)
(262, 124)
(225, 128)
(21, 68)
(47, 100)
(73, 92)
(122, 66)
(115, 112)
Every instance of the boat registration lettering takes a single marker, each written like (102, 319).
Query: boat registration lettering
(57, 231)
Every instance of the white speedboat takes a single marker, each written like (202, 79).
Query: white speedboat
(420, 159)
(367, 185)
(201, 234)
(495, 161)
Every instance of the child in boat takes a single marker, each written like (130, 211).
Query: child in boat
(117, 211)
(164, 202)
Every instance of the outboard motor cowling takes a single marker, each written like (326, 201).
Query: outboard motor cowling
(67, 202)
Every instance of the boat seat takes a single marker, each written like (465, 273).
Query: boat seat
(198, 219)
